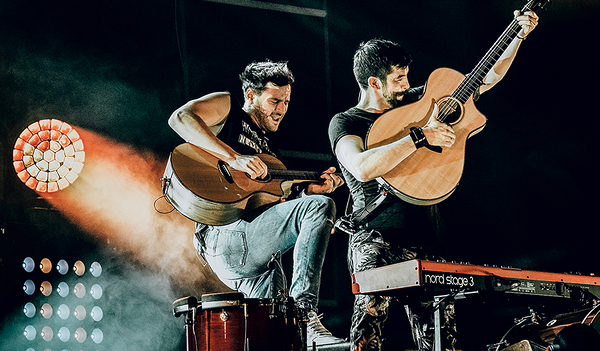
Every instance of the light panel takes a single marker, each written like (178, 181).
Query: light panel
(28, 264)
(48, 156)
(62, 267)
(68, 315)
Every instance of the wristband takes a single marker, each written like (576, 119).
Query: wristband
(418, 137)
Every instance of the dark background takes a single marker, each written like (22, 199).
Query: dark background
(119, 68)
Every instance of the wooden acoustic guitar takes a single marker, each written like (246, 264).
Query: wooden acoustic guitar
(428, 176)
(204, 189)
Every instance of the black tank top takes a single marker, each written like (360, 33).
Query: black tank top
(242, 134)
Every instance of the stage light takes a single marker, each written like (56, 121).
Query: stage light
(29, 310)
(29, 287)
(63, 311)
(79, 268)
(62, 267)
(48, 155)
(79, 290)
(97, 336)
(47, 333)
(46, 288)
(96, 314)
(64, 334)
(46, 310)
(96, 291)
(57, 317)
(29, 332)
(45, 265)
(96, 269)
(80, 335)
(79, 312)
(28, 264)
(63, 289)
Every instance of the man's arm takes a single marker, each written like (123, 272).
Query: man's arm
(369, 164)
(528, 21)
(192, 122)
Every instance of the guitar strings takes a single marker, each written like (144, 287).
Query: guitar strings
(291, 174)
(473, 80)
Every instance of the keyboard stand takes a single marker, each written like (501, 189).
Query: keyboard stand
(437, 315)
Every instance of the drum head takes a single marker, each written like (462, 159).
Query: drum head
(221, 300)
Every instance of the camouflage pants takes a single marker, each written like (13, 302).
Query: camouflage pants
(366, 250)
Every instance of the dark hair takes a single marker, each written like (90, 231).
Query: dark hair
(376, 57)
(257, 74)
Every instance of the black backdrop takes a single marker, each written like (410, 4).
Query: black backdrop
(527, 196)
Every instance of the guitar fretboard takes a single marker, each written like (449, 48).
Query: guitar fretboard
(475, 78)
(295, 175)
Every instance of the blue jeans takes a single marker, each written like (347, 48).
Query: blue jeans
(239, 252)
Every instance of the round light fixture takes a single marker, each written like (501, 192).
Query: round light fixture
(48, 155)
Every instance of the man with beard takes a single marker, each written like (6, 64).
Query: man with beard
(240, 253)
(394, 231)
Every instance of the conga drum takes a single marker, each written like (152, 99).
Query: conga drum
(545, 331)
(554, 326)
(231, 322)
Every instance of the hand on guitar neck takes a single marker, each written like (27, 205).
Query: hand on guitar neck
(257, 169)
(331, 181)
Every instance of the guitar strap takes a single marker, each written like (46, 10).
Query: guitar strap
(350, 223)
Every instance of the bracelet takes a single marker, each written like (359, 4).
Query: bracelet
(418, 137)
(522, 38)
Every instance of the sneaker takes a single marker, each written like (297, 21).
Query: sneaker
(317, 333)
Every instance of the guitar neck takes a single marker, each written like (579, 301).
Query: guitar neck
(296, 175)
(475, 78)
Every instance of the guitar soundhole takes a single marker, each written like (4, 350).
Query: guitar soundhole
(222, 166)
(450, 110)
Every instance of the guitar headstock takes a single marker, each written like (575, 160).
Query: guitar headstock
(535, 5)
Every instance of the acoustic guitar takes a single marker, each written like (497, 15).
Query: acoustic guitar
(204, 189)
(429, 176)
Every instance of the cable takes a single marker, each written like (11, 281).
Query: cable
(162, 212)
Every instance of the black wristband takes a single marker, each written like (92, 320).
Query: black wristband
(418, 137)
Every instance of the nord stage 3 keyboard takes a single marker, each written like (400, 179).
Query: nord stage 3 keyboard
(444, 276)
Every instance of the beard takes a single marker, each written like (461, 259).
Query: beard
(393, 98)
(263, 119)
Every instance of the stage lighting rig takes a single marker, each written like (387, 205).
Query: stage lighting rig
(48, 155)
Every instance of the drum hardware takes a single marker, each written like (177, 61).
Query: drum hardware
(437, 313)
(533, 318)
(188, 306)
(246, 338)
(525, 345)
(542, 334)
(224, 316)
(272, 312)
(555, 325)
(275, 262)
(282, 294)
